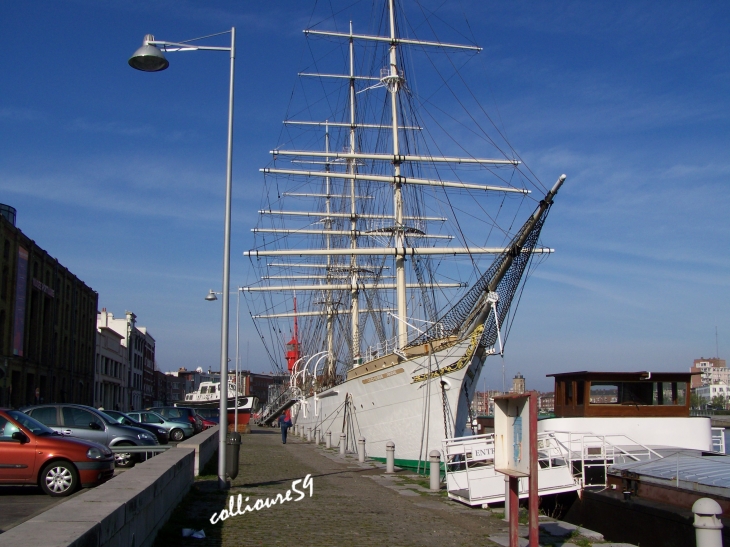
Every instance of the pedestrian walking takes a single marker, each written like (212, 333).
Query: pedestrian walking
(284, 424)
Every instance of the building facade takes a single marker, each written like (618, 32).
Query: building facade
(148, 367)
(518, 384)
(111, 370)
(140, 346)
(712, 370)
(708, 392)
(47, 324)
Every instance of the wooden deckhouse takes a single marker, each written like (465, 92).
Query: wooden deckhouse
(621, 394)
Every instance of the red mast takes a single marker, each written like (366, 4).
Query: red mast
(292, 348)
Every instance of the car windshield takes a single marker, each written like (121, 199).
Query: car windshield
(116, 416)
(29, 423)
(108, 419)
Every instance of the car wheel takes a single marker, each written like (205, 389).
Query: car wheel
(59, 479)
(125, 459)
(177, 435)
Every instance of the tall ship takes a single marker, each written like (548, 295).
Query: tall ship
(397, 228)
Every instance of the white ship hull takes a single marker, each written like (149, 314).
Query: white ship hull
(401, 403)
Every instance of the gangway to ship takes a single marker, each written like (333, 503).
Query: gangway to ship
(567, 462)
(288, 398)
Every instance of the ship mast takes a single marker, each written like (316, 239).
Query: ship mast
(342, 171)
(328, 228)
(352, 169)
(394, 83)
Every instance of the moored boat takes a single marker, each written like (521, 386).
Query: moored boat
(208, 396)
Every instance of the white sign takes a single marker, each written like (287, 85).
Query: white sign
(512, 435)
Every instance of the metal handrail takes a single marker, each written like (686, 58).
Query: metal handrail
(138, 449)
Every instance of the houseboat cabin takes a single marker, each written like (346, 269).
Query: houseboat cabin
(622, 394)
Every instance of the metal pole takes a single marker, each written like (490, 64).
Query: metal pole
(238, 315)
(222, 434)
(514, 511)
(534, 499)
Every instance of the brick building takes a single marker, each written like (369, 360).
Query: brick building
(713, 370)
(47, 324)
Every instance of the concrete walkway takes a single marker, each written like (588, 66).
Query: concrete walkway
(352, 504)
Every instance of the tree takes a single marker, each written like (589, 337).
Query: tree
(696, 401)
(718, 402)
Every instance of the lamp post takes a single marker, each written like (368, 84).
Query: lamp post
(149, 58)
(211, 297)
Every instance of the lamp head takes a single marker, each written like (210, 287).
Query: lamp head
(211, 296)
(148, 58)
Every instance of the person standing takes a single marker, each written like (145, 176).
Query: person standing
(284, 424)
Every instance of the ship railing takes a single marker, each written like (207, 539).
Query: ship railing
(718, 439)
(279, 404)
(567, 461)
(591, 455)
(381, 349)
(472, 479)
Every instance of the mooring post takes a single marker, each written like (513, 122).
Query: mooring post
(708, 527)
(343, 444)
(390, 457)
(309, 434)
(328, 440)
(319, 436)
(435, 457)
(361, 449)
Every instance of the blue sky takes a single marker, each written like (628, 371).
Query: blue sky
(120, 174)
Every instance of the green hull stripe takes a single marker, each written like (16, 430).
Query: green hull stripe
(410, 464)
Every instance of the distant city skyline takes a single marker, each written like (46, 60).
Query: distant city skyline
(120, 175)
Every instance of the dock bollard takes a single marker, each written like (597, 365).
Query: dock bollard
(361, 449)
(309, 434)
(390, 457)
(328, 440)
(343, 444)
(319, 437)
(435, 456)
(708, 527)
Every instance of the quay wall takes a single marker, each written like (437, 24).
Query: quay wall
(636, 521)
(126, 511)
(205, 445)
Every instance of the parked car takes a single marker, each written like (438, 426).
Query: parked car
(179, 430)
(86, 422)
(210, 414)
(208, 423)
(162, 434)
(177, 413)
(31, 453)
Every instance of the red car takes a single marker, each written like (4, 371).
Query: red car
(208, 423)
(31, 453)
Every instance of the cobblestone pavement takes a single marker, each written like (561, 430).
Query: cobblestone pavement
(352, 504)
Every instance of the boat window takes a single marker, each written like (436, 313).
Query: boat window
(604, 393)
(638, 393)
(213, 389)
(569, 393)
(204, 390)
(580, 391)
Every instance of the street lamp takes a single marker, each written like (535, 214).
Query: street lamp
(149, 58)
(211, 297)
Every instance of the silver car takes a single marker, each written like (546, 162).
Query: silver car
(88, 423)
(178, 430)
